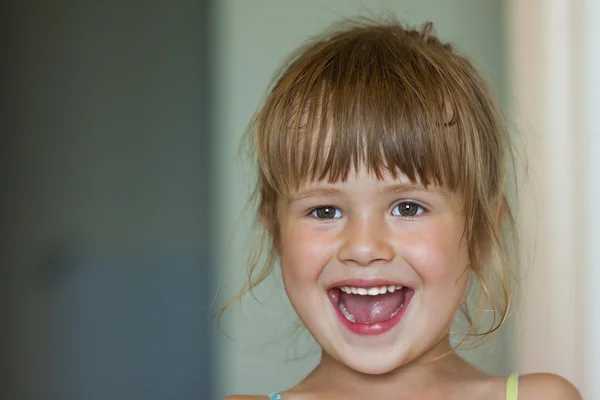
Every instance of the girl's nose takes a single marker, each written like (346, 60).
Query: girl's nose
(366, 242)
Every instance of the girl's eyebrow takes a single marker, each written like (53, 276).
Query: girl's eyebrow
(392, 189)
(412, 187)
(315, 192)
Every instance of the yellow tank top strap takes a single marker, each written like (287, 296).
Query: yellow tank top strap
(512, 387)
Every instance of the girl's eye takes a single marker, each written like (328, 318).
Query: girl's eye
(326, 213)
(407, 209)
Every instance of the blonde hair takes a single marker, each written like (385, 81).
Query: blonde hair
(395, 100)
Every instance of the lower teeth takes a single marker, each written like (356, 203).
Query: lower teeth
(396, 312)
(345, 312)
(351, 318)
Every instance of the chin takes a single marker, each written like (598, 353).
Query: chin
(372, 361)
(374, 367)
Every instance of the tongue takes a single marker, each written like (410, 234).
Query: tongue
(372, 309)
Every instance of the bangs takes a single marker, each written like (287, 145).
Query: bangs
(376, 100)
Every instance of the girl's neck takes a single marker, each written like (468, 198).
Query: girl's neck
(437, 366)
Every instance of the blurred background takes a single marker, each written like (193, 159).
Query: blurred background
(124, 226)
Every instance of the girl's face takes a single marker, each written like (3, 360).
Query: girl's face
(375, 268)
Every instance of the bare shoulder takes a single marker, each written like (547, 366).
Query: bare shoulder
(546, 387)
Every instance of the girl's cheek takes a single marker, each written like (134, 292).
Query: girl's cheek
(435, 253)
(304, 252)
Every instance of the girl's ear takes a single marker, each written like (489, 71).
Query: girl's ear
(272, 230)
(267, 224)
(268, 220)
(268, 217)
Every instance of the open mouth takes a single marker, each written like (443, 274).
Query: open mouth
(370, 309)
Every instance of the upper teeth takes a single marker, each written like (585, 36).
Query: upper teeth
(372, 291)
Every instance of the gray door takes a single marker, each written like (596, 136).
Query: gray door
(106, 238)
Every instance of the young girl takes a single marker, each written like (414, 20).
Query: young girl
(382, 190)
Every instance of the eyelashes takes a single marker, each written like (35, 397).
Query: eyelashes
(404, 209)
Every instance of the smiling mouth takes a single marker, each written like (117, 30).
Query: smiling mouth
(370, 305)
